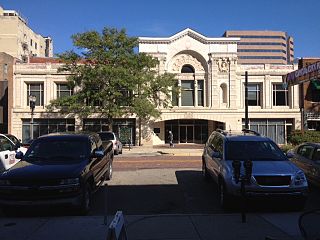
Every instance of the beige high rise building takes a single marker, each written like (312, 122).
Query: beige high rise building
(263, 47)
(19, 40)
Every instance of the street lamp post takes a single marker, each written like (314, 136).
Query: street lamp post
(32, 103)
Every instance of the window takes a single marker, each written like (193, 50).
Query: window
(223, 89)
(187, 93)
(92, 99)
(31, 42)
(187, 69)
(46, 126)
(273, 128)
(254, 95)
(126, 96)
(257, 36)
(280, 95)
(262, 43)
(306, 151)
(63, 90)
(261, 50)
(35, 89)
(5, 68)
(5, 144)
(262, 57)
(200, 93)
(313, 91)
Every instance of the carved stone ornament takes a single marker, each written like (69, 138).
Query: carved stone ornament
(184, 59)
(223, 64)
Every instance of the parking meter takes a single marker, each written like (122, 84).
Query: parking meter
(236, 164)
(248, 170)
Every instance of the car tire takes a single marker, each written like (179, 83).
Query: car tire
(120, 152)
(86, 199)
(205, 173)
(116, 152)
(109, 172)
(224, 197)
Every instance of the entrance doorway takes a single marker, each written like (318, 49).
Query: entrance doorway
(187, 130)
(186, 134)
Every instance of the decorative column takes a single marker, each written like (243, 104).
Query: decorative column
(195, 92)
(209, 83)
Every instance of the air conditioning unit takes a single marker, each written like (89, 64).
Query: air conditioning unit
(24, 46)
(24, 58)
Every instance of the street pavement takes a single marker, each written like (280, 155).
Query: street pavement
(280, 226)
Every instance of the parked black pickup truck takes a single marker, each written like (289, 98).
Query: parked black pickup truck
(58, 169)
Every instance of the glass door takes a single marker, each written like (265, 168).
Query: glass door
(186, 134)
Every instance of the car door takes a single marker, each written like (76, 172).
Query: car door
(7, 154)
(303, 159)
(215, 162)
(208, 151)
(315, 168)
(97, 164)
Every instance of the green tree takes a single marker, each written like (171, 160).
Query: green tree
(111, 79)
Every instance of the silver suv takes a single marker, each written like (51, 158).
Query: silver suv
(272, 173)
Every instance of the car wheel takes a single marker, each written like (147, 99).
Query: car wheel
(109, 172)
(205, 173)
(116, 151)
(86, 199)
(224, 197)
(120, 151)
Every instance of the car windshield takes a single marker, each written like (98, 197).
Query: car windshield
(106, 136)
(254, 150)
(58, 150)
(13, 139)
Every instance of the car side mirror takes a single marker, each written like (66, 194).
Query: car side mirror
(216, 154)
(19, 155)
(290, 155)
(16, 147)
(98, 154)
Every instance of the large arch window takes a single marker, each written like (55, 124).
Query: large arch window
(187, 69)
(192, 88)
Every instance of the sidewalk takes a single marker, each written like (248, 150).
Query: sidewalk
(177, 150)
(160, 227)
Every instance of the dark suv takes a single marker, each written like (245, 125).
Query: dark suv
(60, 168)
(272, 173)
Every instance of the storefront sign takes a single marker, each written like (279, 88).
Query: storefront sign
(303, 74)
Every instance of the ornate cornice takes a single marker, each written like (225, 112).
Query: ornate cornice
(191, 33)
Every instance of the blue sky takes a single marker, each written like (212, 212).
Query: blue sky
(147, 18)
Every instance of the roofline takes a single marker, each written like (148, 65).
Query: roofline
(189, 32)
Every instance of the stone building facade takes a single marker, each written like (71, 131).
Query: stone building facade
(212, 94)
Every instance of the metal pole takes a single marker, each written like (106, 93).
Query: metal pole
(229, 83)
(246, 101)
(31, 127)
(243, 201)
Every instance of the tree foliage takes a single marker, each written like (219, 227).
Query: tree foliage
(297, 137)
(111, 79)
